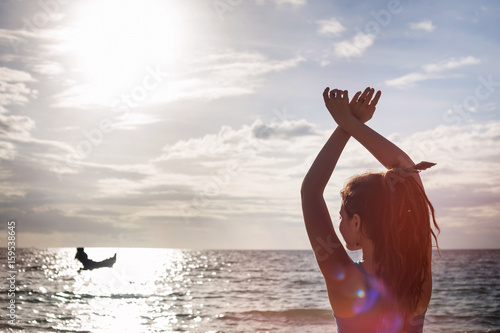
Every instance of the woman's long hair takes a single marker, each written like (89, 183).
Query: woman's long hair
(396, 216)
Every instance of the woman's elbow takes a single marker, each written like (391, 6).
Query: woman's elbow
(305, 188)
(308, 190)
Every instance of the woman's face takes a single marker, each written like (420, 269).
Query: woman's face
(347, 230)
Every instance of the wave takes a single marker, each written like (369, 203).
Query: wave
(283, 315)
(36, 296)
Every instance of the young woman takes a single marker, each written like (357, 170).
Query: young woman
(386, 215)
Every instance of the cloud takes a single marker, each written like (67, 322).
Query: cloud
(13, 89)
(464, 185)
(238, 171)
(331, 27)
(291, 2)
(213, 75)
(83, 95)
(15, 127)
(134, 120)
(214, 177)
(450, 64)
(15, 131)
(14, 38)
(18, 144)
(285, 2)
(409, 79)
(425, 25)
(12, 75)
(49, 68)
(355, 47)
(244, 141)
(291, 130)
(220, 74)
(7, 150)
(432, 71)
(469, 150)
(55, 220)
(225, 177)
(97, 212)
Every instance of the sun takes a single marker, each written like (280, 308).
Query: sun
(113, 42)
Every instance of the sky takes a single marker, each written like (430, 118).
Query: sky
(191, 124)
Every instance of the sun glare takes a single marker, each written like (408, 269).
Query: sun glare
(115, 41)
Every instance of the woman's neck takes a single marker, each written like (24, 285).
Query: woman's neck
(368, 260)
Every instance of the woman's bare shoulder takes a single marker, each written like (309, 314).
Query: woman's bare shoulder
(344, 285)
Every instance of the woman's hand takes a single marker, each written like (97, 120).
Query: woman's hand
(363, 107)
(337, 103)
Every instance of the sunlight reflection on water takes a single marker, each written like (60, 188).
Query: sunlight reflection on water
(132, 294)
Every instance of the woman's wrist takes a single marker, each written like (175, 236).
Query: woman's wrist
(342, 132)
(349, 124)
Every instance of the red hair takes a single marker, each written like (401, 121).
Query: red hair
(396, 216)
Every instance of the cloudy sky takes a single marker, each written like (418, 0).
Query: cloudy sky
(191, 123)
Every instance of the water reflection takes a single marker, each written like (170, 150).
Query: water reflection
(145, 288)
(166, 290)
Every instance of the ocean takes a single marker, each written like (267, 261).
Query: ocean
(177, 290)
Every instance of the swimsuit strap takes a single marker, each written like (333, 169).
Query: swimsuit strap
(361, 269)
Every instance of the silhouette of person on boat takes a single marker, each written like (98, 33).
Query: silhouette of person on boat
(89, 264)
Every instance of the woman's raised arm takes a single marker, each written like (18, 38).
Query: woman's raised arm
(327, 247)
(386, 152)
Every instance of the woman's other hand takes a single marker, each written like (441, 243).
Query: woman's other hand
(337, 103)
(362, 106)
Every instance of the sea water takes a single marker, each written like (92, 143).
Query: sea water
(176, 290)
